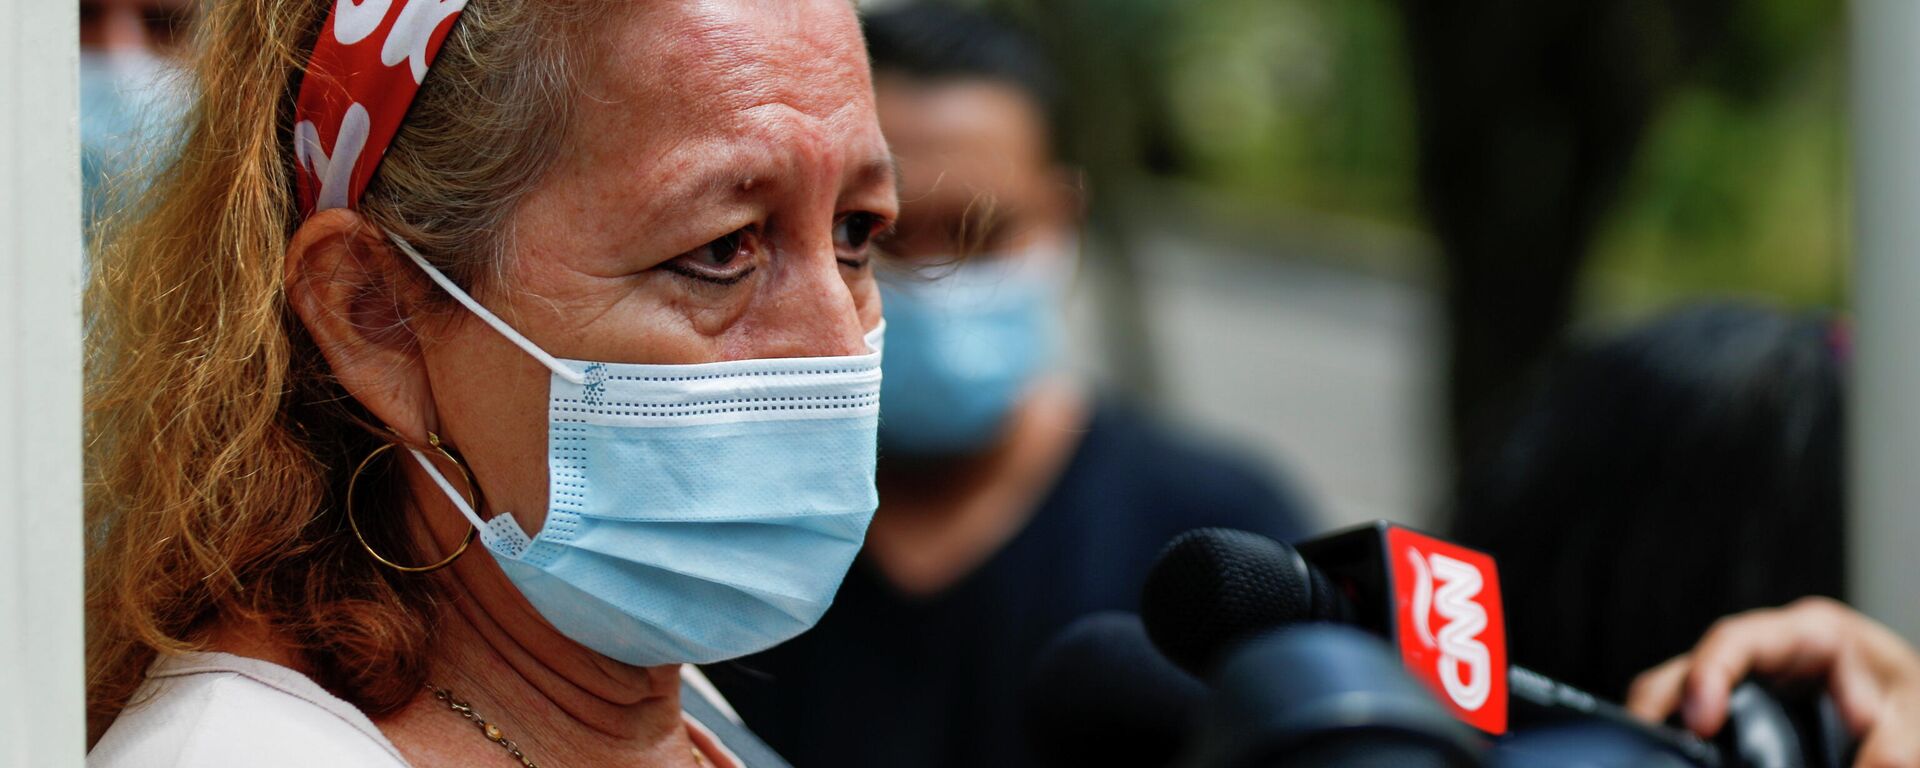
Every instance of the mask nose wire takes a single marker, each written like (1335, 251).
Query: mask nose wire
(552, 364)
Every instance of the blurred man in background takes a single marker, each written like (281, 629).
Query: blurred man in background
(129, 53)
(1012, 500)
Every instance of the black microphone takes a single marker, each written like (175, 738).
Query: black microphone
(1321, 696)
(1589, 744)
(1100, 694)
(1213, 589)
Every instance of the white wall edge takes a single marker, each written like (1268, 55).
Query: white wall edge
(42, 702)
(1885, 442)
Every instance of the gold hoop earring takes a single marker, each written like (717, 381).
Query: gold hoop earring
(472, 500)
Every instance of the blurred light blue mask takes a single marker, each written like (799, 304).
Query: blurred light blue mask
(128, 102)
(966, 346)
(696, 513)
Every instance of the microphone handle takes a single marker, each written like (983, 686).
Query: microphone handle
(1549, 696)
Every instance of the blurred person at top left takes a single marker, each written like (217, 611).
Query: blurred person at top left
(129, 65)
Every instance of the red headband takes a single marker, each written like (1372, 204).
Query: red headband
(368, 63)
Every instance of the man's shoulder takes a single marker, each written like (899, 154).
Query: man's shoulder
(217, 717)
(1191, 479)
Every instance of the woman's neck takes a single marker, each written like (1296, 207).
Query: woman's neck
(559, 714)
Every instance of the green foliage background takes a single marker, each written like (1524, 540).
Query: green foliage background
(1302, 107)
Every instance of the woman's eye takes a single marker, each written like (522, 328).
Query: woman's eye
(853, 233)
(725, 261)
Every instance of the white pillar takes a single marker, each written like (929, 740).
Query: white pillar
(1885, 537)
(42, 718)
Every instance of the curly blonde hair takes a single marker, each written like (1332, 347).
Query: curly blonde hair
(218, 442)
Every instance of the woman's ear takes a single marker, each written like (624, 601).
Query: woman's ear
(344, 282)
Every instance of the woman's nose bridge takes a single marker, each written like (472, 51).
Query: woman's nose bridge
(814, 308)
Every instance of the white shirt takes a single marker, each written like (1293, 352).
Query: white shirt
(217, 710)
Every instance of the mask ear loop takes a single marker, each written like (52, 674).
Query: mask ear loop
(552, 364)
(459, 501)
(446, 488)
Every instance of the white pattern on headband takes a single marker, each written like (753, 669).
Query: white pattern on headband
(333, 169)
(353, 20)
(408, 40)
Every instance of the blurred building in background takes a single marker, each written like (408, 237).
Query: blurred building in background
(1345, 232)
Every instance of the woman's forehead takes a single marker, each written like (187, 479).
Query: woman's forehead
(788, 75)
(709, 111)
(728, 54)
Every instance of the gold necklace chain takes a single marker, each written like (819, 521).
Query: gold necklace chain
(495, 735)
(489, 730)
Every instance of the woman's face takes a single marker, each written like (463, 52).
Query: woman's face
(723, 179)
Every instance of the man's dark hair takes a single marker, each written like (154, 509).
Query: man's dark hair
(1662, 478)
(935, 41)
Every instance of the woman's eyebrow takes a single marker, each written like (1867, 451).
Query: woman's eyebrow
(877, 170)
(737, 178)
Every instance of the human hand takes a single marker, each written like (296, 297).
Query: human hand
(1872, 674)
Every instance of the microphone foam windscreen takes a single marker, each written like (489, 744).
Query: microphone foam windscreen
(1212, 588)
(1101, 695)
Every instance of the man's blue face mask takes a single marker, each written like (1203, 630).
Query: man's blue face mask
(966, 344)
(129, 104)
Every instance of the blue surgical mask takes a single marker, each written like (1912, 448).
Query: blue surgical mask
(696, 513)
(129, 100)
(966, 346)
